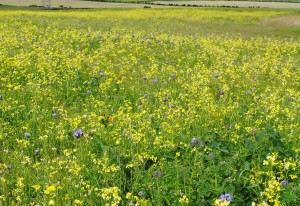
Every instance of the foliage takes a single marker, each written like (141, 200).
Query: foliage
(99, 117)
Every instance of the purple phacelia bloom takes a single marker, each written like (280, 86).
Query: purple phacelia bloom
(216, 76)
(155, 80)
(194, 141)
(9, 167)
(172, 75)
(54, 115)
(157, 174)
(145, 77)
(165, 99)
(102, 74)
(89, 91)
(36, 152)
(78, 133)
(27, 134)
(226, 197)
(141, 193)
(284, 183)
(0, 97)
(248, 92)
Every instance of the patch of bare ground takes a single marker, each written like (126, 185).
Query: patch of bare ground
(290, 20)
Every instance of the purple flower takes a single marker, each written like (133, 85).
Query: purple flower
(102, 74)
(54, 115)
(0, 97)
(165, 99)
(157, 174)
(155, 81)
(194, 141)
(27, 134)
(8, 167)
(226, 197)
(216, 76)
(145, 77)
(36, 152)
(141, 193)
(89, 91)
(78, 133)
(284, 183)
(172, 75)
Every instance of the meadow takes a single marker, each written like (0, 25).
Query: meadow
(294, 4)
(149, 107)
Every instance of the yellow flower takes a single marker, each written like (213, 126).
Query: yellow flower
(110, 195)
(261, 204)
(50, 189)
(18, 198)
(78, 202)
(128, 195)
(20, 182)
(2, 179)
(51, 202)
(219, 202)
(184, 199)
(36, 187)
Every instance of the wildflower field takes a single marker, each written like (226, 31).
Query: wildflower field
(148, 107)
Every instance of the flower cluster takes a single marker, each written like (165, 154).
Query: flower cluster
(111, 114)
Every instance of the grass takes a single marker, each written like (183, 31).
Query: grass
(233, 4)
(238, 2)
(244, 22)
(149, 107)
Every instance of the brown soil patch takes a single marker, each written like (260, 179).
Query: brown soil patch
(291, 20)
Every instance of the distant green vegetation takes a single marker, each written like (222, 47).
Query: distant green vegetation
(140, 1)
(295, 1)
(10, 8)
(125, 1)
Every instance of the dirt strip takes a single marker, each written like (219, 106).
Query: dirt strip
(93, 4)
